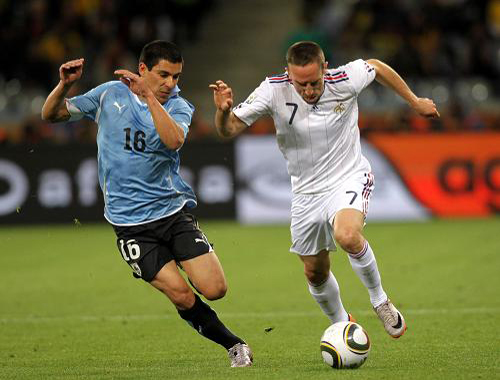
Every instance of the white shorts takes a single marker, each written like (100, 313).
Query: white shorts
(313, 214)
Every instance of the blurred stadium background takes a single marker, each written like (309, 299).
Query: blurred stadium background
(448, 50)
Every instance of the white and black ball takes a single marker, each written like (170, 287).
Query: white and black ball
(345, 345)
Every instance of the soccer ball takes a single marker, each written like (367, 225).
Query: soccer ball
(345, 345)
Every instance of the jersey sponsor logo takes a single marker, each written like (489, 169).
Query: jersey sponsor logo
(119, 106)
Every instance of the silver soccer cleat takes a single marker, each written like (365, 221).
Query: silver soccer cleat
(240, 355)
(391, 318)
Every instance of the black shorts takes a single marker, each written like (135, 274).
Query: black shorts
(148, 247)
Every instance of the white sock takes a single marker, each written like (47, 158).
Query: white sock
(365, 266)
(327, 295)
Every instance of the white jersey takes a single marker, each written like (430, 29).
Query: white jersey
(320, 142)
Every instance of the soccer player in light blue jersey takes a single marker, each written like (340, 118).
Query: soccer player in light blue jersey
(142, 123)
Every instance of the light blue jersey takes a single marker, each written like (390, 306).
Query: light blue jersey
(138, 174)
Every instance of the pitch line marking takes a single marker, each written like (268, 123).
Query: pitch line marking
(253, 315)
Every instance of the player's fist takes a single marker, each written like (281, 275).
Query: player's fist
(426, 107)
(71, 71)
(223, 96)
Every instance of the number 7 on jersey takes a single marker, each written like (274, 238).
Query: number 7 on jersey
(295, 106)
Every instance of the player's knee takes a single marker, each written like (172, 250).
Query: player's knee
(215, 291)
(349, 239)
(182, 300)
(316, 276)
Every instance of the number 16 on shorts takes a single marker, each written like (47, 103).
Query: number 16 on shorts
(130, 250)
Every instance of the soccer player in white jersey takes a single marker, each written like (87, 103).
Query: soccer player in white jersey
(315, 112)
(142, 123)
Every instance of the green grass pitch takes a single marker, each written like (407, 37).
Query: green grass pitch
(70, 309)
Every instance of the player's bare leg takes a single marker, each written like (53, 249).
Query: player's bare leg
(196, 312)
(171, 283)
(207, 275)
(347, 231)
(323, 286)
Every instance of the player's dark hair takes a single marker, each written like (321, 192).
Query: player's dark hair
(304, 52)
(155, 51)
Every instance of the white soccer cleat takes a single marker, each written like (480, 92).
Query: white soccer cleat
(391, 318)
(240, 355)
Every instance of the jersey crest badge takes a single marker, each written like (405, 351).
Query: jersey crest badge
(136, 269)
(339, 108)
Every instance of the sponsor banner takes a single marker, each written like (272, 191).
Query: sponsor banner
(264, 191)
(391, 199)
(59, 184)
(208, 167)
(415, 176)
(451, 174)
(49, 184)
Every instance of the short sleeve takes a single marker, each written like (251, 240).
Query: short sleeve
(257, 104)
(360, 74)
(89, 103)
(182, 113)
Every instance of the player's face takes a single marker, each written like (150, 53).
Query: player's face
(162, 78)
(308, 80)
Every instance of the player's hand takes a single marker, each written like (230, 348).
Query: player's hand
(223, 96)
(426, 107)
(135, 83)
(71, 71)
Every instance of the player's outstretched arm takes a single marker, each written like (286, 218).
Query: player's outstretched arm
(170, 133)
(226, 123)
(54, 109)
(390, 78)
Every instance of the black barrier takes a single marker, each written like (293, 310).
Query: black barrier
(59, 184)
(210, 170)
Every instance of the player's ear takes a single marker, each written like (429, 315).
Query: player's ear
(142, 68)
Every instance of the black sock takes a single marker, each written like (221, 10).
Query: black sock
(204, 320)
